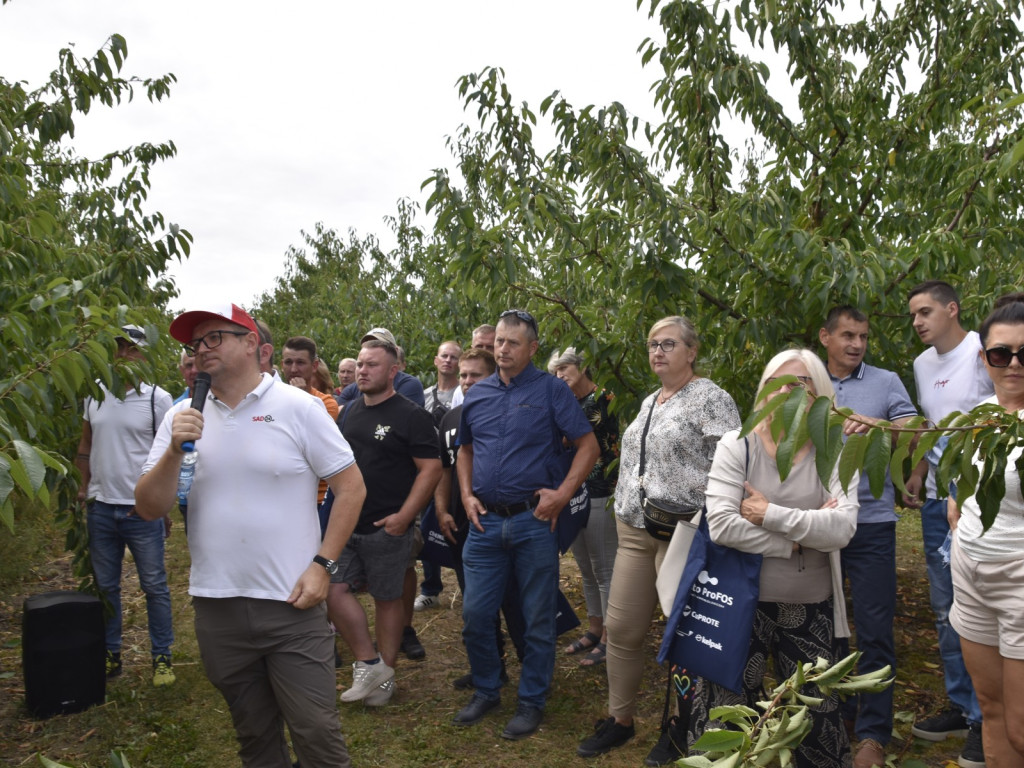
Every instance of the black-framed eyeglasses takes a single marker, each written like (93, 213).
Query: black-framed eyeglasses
(523, 315)
(803, 382)
(667, 345)
(1001, 357)
(212, 340)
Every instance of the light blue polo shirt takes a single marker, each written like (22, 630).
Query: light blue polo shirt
(879, 394)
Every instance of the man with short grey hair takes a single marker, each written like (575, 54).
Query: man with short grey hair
(514, 487)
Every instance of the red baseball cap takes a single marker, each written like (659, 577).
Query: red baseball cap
(184, 325)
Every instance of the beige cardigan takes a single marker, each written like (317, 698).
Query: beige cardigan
(827, 530)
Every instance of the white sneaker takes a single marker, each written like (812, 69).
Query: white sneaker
(426, 601)
(366, 678)
(380, 695)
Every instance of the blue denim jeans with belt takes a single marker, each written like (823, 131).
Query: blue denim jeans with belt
(111, 527)
(523, 548)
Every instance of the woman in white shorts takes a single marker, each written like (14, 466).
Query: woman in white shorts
(988, 566)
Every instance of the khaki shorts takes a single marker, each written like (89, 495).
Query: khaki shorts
(988, 602)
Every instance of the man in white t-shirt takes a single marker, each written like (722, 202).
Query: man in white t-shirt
(116, 438)
(260, 572)
(950, 376)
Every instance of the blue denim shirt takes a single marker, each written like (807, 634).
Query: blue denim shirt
(516, 430)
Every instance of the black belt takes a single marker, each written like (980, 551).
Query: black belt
(507, 510)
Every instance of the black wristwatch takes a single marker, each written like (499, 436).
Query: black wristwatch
(331, 566)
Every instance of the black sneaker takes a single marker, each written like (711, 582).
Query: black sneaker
(972, 755)
(607, 736)
(949, 722)
(411, 645)
(670, 747)
(113, 664)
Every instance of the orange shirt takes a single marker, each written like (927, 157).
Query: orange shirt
(332, 409)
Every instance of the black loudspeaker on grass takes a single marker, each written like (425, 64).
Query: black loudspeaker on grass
(63, 653)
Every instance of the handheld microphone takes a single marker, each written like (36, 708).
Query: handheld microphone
(199, 392)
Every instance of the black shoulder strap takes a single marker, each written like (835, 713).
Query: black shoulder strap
(152, 409)
(643, 443)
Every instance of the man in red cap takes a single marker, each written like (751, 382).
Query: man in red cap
(260, 572)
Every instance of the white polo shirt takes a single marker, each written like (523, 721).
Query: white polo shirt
(252, 522)
(122, 434)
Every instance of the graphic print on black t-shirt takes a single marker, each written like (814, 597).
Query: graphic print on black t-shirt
(385, 438)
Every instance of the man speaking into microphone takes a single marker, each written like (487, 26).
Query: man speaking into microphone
(260, 572)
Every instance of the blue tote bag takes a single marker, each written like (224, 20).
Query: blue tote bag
(712, 619)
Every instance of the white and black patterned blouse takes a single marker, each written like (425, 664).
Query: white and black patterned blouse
(680, 446)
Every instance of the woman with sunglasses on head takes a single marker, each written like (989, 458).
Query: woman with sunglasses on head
(799, 526)
(674, 438)
(595, 545)
(988, 566)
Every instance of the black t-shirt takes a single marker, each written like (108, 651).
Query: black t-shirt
(385, 438)
(448, 431)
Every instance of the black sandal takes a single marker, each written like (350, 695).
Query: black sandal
(585, 643)
(595, 657)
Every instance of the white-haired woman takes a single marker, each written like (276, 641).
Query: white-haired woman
(799, 525)
(594, 547)
(677, 430)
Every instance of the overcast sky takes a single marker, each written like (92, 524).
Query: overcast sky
(289, 114)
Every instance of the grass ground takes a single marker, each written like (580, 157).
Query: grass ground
(188, 724)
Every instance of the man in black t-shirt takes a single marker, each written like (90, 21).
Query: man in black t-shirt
(395, 446)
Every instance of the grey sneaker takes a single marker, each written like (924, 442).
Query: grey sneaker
(366, 678)
(380, 695)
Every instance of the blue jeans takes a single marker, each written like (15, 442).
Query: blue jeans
(869, 562)
(523, 548)
(431, 585)
(111, 527)
(934, 527)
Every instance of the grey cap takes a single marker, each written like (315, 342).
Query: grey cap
(380, 334)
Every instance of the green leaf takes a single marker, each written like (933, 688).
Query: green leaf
(720, 740)
(6, 481)
(992, 488)
(794, 414)
(818, 422)
(852, 458)
(876, 459)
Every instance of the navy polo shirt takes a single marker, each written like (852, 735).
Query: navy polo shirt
(516, 431)
(879, 394)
